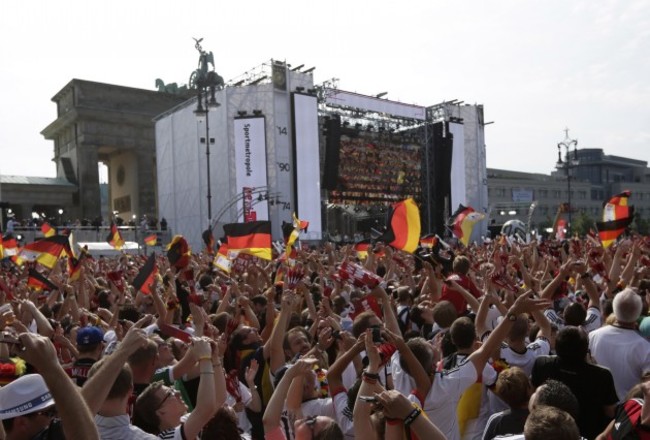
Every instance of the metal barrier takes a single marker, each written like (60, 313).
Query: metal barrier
(94, 234)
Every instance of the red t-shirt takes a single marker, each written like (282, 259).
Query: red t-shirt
(454, 297)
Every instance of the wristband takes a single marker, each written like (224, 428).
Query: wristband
(207, 372)
(205, 358)
(373, 376)
(412, 416)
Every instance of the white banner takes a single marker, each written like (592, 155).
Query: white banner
(250, 169)
(458, 169)
(306, 164)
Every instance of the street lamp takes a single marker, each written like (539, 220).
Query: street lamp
(206, 82)
(60, 216)
(567, 143)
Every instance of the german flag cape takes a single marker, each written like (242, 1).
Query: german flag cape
(403, 229)
(252, 238)
(463, 222)
(39, 282)
(144, 278)
(617, 216)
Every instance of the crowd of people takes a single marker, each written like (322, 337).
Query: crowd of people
(377, 170)
(544, 340)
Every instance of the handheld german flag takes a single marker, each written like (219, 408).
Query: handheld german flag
(403, 229)
(617, 215)
(361, 248)
(179, 252)
(46, 251)
(114, 238)
(144, 278)
(47, 230)
(296, 226)
(463, 221)
(429, 241)
(39, 282)
(151, 240)
(9, 245)
(222, 260)
(208, 239)
(252, 238)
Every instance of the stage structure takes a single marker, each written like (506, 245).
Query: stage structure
(379, 151)
(263, 161)
(338, 159)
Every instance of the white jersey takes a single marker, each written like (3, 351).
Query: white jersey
(441, 401)
(593, 321)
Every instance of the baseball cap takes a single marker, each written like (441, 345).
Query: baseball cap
(25, 395)
(89, 335)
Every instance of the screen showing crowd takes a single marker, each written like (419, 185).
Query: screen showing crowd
(377, 170)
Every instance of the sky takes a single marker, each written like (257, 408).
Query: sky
(536, 66)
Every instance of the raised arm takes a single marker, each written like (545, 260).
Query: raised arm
(76, 418)
(96, 388)
(523, 304)
(279, 330)
(401, 411)
(273, 412)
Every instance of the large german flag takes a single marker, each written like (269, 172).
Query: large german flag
(144, 278)
(403, 229)
(39, 282)
(179, 252)
(114, 238)
(463, 223)
(46, 251)
(252, 238)
(617, 216)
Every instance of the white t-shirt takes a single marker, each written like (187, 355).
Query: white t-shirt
(343, 414)
(525, 361)
(441, 401)
(593, 321)
(625, 352)
(246, 397)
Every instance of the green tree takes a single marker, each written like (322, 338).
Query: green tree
(581, 224)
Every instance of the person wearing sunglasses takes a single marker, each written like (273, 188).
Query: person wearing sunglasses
(27, 405)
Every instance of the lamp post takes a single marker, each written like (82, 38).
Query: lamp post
(567, 143)
(60, 217)
(206, 82)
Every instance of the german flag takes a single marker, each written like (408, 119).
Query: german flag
(74, 268)
(9, 246)
(361, 248)
(208, 239)
(114, 238)
(46, 251)
(39, 282)
(252, 238)
(151, 240)
(144, 278)
(429, 241)
(48, 231)
(222, 260)
(463, 221)
(403, 231)
(617, 216)
(179, 252)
